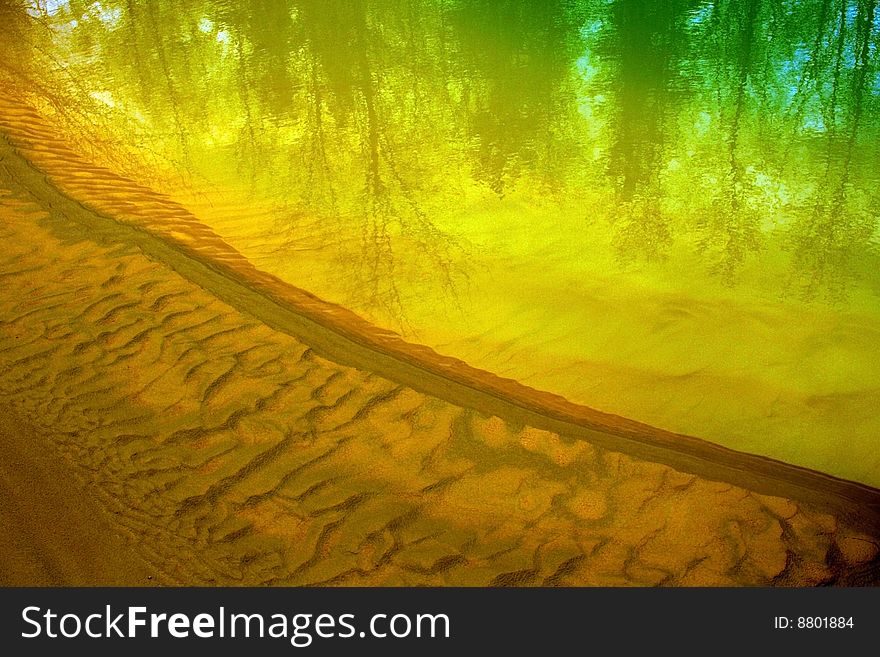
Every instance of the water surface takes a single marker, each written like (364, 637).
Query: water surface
(665, 211)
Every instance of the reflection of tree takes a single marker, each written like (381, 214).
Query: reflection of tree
(644, 44)
(713, 121)
(155, 29)
(344, 44)
(31, 68)
(308, 97)
(781, 76)
(516, 62)
(731, 227)
(18, 40)
(826, 237)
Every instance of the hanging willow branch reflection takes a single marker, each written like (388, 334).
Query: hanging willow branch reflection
(728, 128)
(826, 238)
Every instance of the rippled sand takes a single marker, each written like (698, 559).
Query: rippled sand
(210, 445)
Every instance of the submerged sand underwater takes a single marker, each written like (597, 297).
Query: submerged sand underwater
(199, 435)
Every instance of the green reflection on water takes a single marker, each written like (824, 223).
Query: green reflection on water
(728, 126)
(546, 176)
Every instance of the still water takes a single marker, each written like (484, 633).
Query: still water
(663, 210)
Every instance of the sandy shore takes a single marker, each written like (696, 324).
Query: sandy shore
(53, 532)
(227, 440)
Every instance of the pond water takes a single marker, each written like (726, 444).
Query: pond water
(666, 211)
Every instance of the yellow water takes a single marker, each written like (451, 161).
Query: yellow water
(528, 190)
